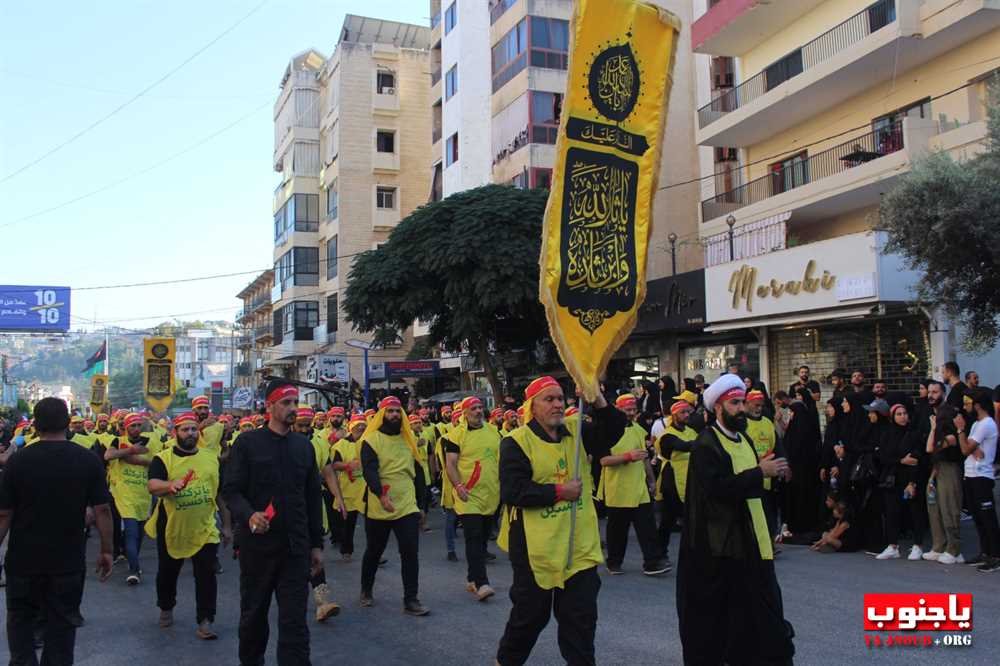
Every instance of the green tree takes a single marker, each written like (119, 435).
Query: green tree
(468, 265)
(125, 386)
(944, 218)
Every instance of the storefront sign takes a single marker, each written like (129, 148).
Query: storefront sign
(401, 369)
(674, 303)
(809, 277)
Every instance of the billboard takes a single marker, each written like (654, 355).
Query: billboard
(34, 308)
(327, 368)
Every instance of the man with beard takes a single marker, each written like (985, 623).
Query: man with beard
(728, 599)
(127, 460)
(626, 488)
(185, 479)
(880, 391)
(957, 389)
(944, 492)
(78, 434)
(838, 380)
(272, 490)
(675, 446)
(345, 462)
(394, 480)
(805, 382)
(210, 430)
(472, 465)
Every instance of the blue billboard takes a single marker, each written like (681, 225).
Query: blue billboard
(27, 308)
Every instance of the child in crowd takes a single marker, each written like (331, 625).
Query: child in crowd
(840, 537)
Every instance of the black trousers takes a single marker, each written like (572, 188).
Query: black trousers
(284, 575)
(118, 539)
(979, 497)
(407, 531)
(476, 529)
(205, 585)
(346, 535)
(55, 599)
(616, 533)
(894, 507)
(333, 518)
(575, 608)
(671, 508)
(730, 612)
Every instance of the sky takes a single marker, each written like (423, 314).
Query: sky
(183, 175)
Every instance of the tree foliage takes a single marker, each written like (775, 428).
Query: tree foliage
(468, 265)
(944, 218)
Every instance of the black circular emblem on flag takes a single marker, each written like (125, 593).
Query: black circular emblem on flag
(160, 350)
(613, 82)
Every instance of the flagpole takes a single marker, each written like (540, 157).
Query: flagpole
(578, 441)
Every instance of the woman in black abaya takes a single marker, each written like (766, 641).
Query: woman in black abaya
(802, 445)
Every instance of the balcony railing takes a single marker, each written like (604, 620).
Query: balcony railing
(262, 332)
(797, 173)
(824, 47)
(498, 8)
(259, 303)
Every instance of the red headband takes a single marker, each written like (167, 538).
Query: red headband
(755, 395)
(356, 418)
(730, 394)
(132, 418)
(336, 411)
(282, 392)
(391, 401)
(470, 402)
(539, 385)
(186, 417)
(509, 413)
(497, 412)
(571, 411)
(199, 401)
(678, 406)
(305, 413)
(414, 418)
(892, 410)
(627, 400)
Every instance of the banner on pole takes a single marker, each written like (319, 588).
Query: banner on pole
(98, 391)
(597, 221)
(158, 372)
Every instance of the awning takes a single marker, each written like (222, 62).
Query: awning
(787, 320)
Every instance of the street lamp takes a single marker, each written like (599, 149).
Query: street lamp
(731, 221)
(672, 237)
(365, 346)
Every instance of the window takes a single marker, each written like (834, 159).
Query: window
(385, 197)
(385, 82)
(549, 42)
(297, 320)
(789, 173)
(297, 267)
(784, 69)
(332, 201)
(545, 110)
(436, 186)
(331, 258)
(509, 54)
(300, 213)
(451, 82)
(450, 17)
(331, 314)
(385, 141)
(541, 178)
(451, 150)
(520, 181)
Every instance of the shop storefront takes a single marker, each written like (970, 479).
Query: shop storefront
(838, 303)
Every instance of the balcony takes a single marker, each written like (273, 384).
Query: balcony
(244, 339)
(322, 336)
(845, 178)
(385, 162)
(498, 8)
(884, 40)
(263, 333)
(290, 349)
(834, 278)
(733, 27)
(260, 303)
(385, 102)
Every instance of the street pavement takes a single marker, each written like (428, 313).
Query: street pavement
(637, 626)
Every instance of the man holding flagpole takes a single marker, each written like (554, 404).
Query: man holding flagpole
(538, 493)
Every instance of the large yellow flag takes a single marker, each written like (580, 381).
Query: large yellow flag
(597, 221)
(158, 372)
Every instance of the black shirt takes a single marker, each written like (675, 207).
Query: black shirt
(49, 486)
(956, 395)
(264, 467)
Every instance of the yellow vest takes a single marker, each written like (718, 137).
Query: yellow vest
(479, 447)
(546, 529)
(447, 490)
(763, 437)
(742, 455)
(624, 486)
(352, 490)
(83, 440)
(395, 469)
(128, 484)
(424, 458)
(321, 449)
(191, 512)
(679, 459)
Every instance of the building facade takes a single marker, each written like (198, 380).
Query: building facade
(808, 112)
(351, 145)
(256, 329)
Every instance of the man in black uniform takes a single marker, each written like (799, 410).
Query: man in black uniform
(273, 493)
(728, 599)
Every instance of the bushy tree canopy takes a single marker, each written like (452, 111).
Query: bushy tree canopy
(944, 218)
(468, 265)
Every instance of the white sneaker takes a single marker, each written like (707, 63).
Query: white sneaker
(959, 559)
(915, 553)
(890, 553)
(947, 558)
(931, 555)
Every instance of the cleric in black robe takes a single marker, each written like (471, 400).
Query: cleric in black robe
(728, 600)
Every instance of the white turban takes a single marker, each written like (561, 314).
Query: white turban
(722, 387)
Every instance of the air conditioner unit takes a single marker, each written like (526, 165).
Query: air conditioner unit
(388, 91)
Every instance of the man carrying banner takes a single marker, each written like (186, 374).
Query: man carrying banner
(185, 481)
(472, 458)
(538, 531)
(728, 599)
(625, 489)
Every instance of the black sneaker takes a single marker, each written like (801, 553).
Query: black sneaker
(490, 556)
(414, 607)
(657, 568)
(133, 578)
(615, 569)
(990, 565)
(977, 560)
(218, 566)
(452, 557)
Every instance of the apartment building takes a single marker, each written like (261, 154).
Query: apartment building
(204, 356)
(809, 111)
(256, 329)
(351, 145)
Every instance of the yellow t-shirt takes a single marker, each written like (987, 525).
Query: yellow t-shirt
(624, 486)
(396, 470)
(479, 448)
